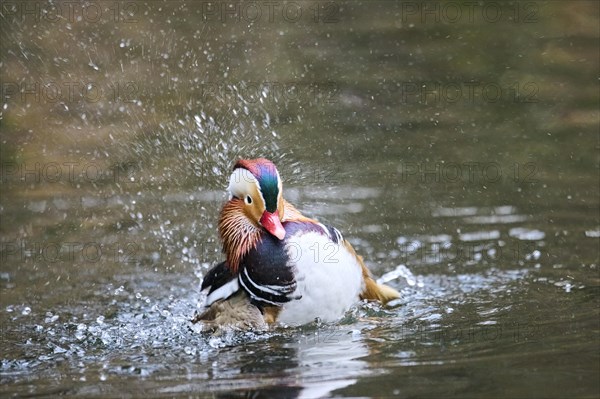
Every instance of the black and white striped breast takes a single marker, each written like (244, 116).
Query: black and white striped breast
(267, 274)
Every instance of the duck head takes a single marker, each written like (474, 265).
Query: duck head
(256, 182)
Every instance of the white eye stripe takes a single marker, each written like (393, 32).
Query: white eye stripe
(242, 183)
(241, 176)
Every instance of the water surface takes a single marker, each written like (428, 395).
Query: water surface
(458, 154)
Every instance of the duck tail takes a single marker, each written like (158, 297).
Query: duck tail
(379, 292)
(373, 291)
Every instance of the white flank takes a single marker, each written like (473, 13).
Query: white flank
(329, 279)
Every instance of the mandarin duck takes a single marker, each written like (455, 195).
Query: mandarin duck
(280, 266)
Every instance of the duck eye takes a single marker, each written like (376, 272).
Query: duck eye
(248, 199)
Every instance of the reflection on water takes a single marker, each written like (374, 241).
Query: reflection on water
(482, 210)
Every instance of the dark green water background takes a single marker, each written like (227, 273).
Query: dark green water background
(456, 144)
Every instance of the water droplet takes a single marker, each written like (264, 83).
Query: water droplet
(51, 318)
